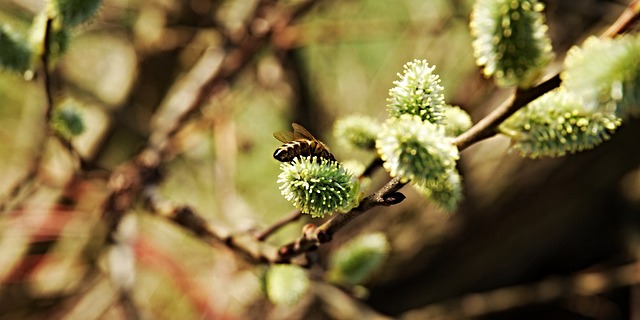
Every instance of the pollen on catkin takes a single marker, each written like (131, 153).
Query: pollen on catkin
(556, 124)
(418, 92)
(415, 150)
(318, 186)
(510, 40)
(445, 193)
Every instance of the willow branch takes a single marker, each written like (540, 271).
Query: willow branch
(552, 289)
(46, 84)
(487, 127)
(295, 215)
(624, 21)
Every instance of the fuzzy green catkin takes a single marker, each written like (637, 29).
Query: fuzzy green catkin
(418, 92)
(510, 40)
(605, 73)
(318, 186)
(286, 284)
(357, 132)
(416, 150)
(457, 121)
(445, 193)
(556, 124)
(15, 54)
(356, 260)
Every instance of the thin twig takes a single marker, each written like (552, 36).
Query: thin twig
(624, 21)
(487, 127)
(295, 215)
(552, 289)
(34, 167)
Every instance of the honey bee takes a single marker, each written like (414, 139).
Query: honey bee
(299, 143)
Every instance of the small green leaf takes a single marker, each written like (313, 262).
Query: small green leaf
(356, 260)
(67, 120)
(75, 12)
(15, 54)
(286, 284)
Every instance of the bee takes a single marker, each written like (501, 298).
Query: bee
(299, 143)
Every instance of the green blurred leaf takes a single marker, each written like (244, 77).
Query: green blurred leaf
(355, 261)
(286, 284)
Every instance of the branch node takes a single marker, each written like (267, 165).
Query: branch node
(185, 217)
(393, 198)
(323, 237)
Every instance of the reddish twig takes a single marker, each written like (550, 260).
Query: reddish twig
(295, 215)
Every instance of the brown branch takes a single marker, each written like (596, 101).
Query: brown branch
(552, 289)
(312, 237)
(487, 127)
(295, 215)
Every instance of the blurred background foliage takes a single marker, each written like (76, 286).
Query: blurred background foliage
(522, 221)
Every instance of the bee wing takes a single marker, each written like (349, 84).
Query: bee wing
(299, 132)
(284, 136)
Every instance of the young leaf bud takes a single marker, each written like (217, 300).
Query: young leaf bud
(15, 54)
